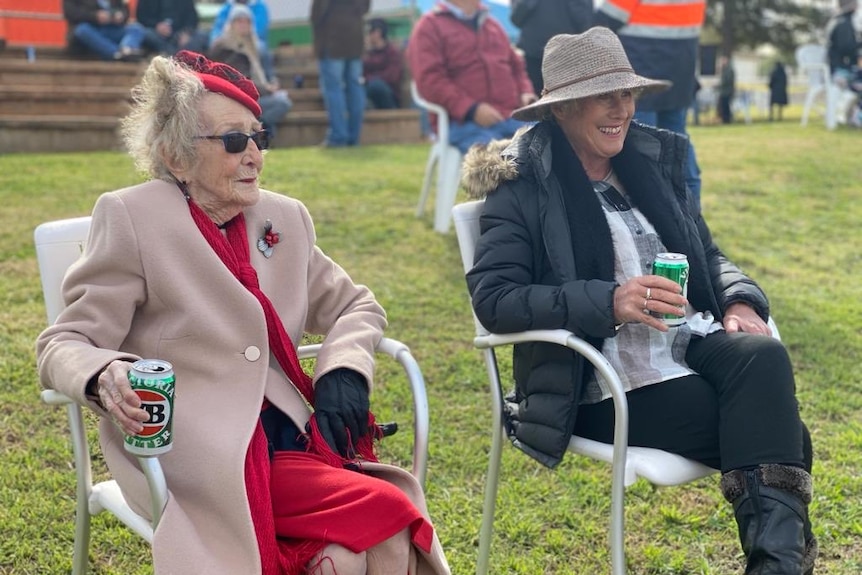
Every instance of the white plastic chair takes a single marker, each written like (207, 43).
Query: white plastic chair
(628, 463)
(811, 60)
(58, 245)
(742, 102)
(447, 160)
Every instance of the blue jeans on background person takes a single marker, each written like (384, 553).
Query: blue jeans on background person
(462, 135)
(380, 94)
(197, 42)
(274, 107)
(674, 120)
(107, 41)
(344, 96)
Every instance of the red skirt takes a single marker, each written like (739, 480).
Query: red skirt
(313, 502)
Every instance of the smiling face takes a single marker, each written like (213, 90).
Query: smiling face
(223, 184)
(596, 127)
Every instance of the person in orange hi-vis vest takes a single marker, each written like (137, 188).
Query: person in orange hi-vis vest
(661, 38)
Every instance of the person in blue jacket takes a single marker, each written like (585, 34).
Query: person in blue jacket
(260, 11)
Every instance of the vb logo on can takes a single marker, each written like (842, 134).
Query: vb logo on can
(158, 405)
(153, 380)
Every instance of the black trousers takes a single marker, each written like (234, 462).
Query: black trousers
(739, 411)
(724, 111)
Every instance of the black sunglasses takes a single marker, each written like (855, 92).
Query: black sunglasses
(236, 142)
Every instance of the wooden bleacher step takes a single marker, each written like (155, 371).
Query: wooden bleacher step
(379, 127)
(22, 134)
(71, 73)
(62, 104)
(36, 100)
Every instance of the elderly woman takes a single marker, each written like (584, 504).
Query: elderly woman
(202, 268)
(577, 208)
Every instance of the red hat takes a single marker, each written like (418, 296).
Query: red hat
(221, 78)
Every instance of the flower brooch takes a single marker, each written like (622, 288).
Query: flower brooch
(269, 238)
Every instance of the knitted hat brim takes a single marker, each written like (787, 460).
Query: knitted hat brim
(605, 84)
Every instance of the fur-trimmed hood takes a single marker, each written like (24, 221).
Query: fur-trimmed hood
(485, 167)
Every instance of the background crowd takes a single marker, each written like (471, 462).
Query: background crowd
(458, 54)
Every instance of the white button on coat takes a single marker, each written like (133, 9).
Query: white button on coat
(252, 353)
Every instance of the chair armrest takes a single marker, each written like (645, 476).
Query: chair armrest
(612, 383)
(774, 327)
(150, 466)
(401, 353)
(440, 111)
(423, 103)
(567, 339)
(52, 397)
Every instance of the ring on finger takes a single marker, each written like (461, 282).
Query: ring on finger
(649, 293)
(646, 308)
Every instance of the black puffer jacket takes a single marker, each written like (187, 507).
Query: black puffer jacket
(525, 275)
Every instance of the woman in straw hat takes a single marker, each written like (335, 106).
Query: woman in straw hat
(577, 208)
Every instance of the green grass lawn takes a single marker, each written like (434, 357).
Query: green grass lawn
(783, 201)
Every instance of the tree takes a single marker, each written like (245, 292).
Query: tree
(785, 24)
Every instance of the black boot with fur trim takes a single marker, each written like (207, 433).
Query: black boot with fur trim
(770, 503)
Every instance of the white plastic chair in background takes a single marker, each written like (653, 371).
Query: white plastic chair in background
(811, 61)
(742, 103)
(58, 245)
(628, 463)
(447, 161)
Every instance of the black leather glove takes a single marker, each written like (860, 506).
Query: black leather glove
(340, 406)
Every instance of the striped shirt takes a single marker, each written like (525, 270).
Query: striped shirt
(640, 354)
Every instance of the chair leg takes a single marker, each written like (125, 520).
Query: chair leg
(448, 180)
(433, 160)
(83, 489)
(831, 99)
(618, 484)
(805, 108)
(81, 558)
(492, 479)
(810, 97)
(486, 532)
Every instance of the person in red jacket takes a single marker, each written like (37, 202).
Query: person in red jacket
(461, 59)
(382, 66)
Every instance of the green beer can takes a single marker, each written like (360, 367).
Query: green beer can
(675, 267)
(153, 380)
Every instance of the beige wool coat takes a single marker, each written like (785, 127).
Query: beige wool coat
(150, 286)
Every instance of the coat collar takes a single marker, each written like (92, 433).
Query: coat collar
(528, 153)
(650, 167)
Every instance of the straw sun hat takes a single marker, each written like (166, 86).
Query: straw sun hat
(577, 66)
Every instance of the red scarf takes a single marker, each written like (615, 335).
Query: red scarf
(233, 251)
